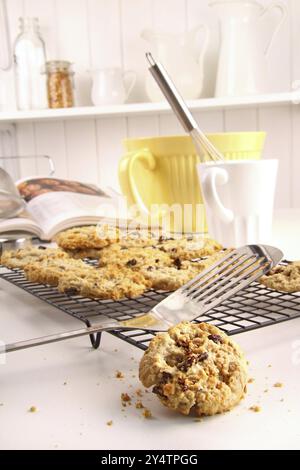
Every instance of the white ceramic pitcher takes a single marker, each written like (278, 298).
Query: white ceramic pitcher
(182, 55)
(242, 68)
(112, 86)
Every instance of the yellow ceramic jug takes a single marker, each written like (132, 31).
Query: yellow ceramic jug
(158, 175)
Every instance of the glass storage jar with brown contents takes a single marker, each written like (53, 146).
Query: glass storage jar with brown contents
(60, 84)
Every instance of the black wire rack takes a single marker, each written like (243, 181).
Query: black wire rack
(254, 307)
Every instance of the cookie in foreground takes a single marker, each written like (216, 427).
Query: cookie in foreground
(195, 368)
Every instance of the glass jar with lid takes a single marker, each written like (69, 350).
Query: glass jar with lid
(60, 84)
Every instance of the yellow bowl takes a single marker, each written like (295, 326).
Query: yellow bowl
(239, 145)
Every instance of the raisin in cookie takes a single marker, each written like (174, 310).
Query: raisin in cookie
(283, 278)
(189, 247)
(22, 257)
(49, 271)
(104, 283)
(195, 368)
(87, 237)
(133, 257)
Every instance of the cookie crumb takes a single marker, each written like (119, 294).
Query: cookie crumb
(251, 380)
(147, 414)
(32, 409)
(266, 390)
(119, 375)
(270, 365)
(109, 423)
(139, 405)
(125, 398)
(255, 408)
(198, 420)
(65, 383)
(282, 399)
(278, 385)
(115, 350)
(139, 392)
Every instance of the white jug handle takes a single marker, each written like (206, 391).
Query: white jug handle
(202, 27)
(284, 13)
(211, 178)
(129, 76)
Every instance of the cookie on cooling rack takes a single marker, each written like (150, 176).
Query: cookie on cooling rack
(24, 256)
(283, 278)
(189, 247)
(104, 283)
(49, 270)
(138, 238)
(195, 368)
(91, 237)
(92, 253)
(177, 274)
(133, 257)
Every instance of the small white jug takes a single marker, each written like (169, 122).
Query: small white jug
(112, 86)
(242, 68)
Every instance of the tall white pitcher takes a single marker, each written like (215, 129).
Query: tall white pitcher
(242, 68)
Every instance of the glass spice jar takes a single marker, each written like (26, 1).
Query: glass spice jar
(60, 84)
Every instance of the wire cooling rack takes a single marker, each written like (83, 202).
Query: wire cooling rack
(253, 308)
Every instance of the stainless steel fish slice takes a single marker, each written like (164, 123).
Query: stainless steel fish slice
(230, 274)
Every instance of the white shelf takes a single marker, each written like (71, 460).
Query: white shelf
(148, 108)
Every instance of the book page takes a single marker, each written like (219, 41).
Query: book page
(22, 223)
(56, 204)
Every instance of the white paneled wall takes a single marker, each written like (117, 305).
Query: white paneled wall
(105, 33)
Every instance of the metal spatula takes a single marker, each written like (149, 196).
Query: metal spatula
(232, 273)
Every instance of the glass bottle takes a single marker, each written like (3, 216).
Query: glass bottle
(30, 60)
(60, 84)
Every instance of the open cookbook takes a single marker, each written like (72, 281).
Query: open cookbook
(53, 205)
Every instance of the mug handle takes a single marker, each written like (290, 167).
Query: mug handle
(127, 179)
(284, 13)
(211, 178)
(129, 75)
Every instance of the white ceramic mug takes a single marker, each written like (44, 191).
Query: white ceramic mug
(112, 86)
(239, 199)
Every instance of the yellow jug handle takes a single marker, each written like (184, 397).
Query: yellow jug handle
(148, 158)
(127, 180)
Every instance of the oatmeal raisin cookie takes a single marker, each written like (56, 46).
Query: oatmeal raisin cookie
(195, 368)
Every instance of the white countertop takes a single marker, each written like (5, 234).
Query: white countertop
(76, 393)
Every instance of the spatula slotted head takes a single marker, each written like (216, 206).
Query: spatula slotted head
(232, 273)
